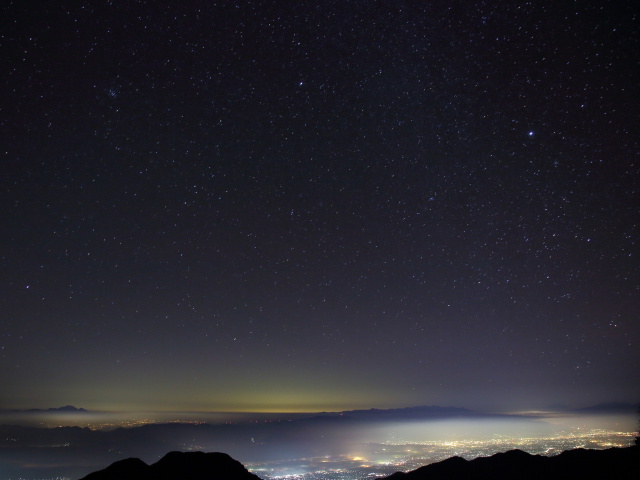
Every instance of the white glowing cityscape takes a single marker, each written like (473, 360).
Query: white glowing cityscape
(375, 460)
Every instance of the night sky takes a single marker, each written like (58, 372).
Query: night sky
(305, 206)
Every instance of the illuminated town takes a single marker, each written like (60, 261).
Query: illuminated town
(320, 448)
(381, 459)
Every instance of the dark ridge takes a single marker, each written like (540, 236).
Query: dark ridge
(65, 409)
(129, 469)
(579, 464)
(608, 408)
(426, 412)
(177, 466)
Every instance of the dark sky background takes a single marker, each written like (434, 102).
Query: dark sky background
(274, 205)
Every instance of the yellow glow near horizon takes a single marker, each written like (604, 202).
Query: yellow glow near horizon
(303, 400)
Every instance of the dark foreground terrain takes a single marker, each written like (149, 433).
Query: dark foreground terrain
(579, 464)
(613, 463)
(177, 465)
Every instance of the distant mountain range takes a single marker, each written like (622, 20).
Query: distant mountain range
(434, 411)
(408, 413)
(579, 464)
(65, 409)
(611, 407)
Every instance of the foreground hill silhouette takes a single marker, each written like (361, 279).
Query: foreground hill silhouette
(175, 466)
(579, 464)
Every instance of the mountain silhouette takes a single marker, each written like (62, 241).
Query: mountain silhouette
(605, 408)
(177, 466)
(578, 464)
(407, 413)
(65, 409)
